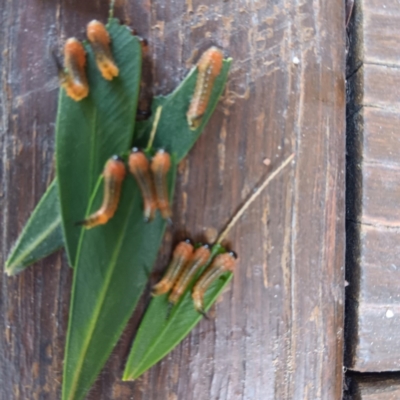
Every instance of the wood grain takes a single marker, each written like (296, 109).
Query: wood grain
(381, 32)
(372, 387)
(373, 196)
(378, 312)
(277, 332)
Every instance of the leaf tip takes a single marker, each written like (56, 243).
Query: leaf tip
(11, 268)
(128, 377)
(12, 271)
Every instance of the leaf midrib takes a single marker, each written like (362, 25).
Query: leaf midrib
(155, 342)
(93, 147)
(167, 325)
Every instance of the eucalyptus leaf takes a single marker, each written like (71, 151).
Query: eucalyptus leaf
(41, 236)
(92, 130)
(163, 328)
(115, 260)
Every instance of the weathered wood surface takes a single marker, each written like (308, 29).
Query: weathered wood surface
(375, 387)
(373, 307)
(277, 333)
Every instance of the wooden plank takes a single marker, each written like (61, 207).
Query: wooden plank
(374, 86)
(373, 196)
(374, 32)
(380, 136)
(373, 236)
(381, 32)
(375, 338)
(370, 387)
(373, 146)
(381, 194)
(278, 332)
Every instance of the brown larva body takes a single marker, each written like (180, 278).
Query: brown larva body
(114, 174)
(221, 264)
(100, 40)
(198, 259)
(139, 167)
(160, 165)
(74, 80)
(209, 67)
(181, 255)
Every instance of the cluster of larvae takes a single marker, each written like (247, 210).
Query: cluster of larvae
(185, 264)
(73, 74)
(151, 177)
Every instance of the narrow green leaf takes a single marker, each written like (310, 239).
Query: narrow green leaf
(163, 328)
(41, 236)
(173, 131)
(114, 263)
(115, 260)
(92, 130)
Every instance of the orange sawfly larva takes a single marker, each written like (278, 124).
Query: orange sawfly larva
(114, 174)
(100, 40)
(73, 76)
(181, 255)
(160, 165)
(139, 167)
(221, 264)
(209, 67)
(198, 259)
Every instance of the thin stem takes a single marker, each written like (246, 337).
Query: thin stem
(154, 128)
(111, 12)
(253, 197)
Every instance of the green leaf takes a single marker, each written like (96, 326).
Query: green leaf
(92, 130)
(115, 260)
(173, 133)
(163, 328)
(41, 236)
(114, 263)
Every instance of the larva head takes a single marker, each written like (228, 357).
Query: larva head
(184, 249)
(226, 261)
(233, 254)
(138, 161)
(97, 33)
(115, 168)
(74, 53)
(211, 61)
(202, 253)
(161, 161)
